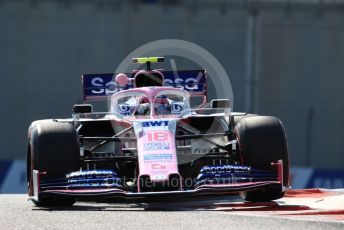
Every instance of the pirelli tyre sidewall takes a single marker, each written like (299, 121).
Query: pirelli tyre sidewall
(262, 140)
(53, 148)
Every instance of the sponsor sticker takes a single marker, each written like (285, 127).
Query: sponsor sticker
(157, 157)
(159, 177)
(158, 166)
(154, 125)
(156, 146)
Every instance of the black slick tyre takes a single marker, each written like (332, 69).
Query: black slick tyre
(53, 148)
(262, 140)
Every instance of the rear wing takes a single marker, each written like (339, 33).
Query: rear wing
(101, 86)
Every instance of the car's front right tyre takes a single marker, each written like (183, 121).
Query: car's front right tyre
(53, 148)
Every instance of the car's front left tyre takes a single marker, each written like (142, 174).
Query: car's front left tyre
(262, 141)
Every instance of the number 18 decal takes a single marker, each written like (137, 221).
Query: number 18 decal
(157, 136)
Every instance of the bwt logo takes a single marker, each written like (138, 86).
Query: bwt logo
(154, 123)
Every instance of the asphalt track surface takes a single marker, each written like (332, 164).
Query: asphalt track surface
(16, 212)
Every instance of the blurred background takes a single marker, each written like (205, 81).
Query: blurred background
(284, 57)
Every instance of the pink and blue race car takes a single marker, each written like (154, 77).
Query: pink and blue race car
(153, 143)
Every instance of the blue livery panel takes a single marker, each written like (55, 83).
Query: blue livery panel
(101, 86)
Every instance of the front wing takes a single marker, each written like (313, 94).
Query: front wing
(202, 190)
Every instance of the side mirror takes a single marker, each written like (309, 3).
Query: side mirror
(82, 108)
(220, 104)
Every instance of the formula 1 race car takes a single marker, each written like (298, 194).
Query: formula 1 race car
(152, 144)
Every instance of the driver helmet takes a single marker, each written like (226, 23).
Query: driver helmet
(162, 105)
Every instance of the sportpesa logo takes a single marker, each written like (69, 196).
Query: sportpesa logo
(110, 87)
